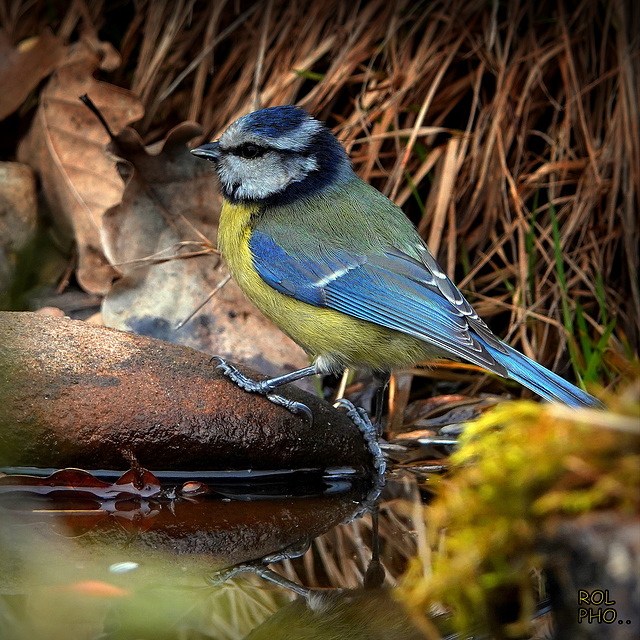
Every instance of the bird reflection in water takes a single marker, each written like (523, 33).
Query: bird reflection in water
(369, 612)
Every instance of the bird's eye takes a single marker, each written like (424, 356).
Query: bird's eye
(249, 150)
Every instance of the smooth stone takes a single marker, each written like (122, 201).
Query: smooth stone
(74, 394)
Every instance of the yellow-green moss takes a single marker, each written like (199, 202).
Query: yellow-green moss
(518, 466)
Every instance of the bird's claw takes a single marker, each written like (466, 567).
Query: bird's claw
(235, 375)
(291, 405)
(228, 573)
(360, 418)
(262, 387)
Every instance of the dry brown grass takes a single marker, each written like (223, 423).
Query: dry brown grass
(483, 120)
(480, 119)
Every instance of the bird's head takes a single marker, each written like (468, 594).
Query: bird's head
(275, 156)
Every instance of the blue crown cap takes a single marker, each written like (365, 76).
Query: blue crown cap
(275, 121)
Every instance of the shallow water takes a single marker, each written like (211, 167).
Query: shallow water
(285, 555)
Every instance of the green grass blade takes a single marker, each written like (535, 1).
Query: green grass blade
(566, 310)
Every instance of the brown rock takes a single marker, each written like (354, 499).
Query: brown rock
(75, 394)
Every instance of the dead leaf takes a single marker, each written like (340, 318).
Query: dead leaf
(24, 66)
(18, 218)
(66, 146)
(18, 206)
(171, 198)
(83, 484)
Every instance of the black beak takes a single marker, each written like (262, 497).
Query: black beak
(209, 151)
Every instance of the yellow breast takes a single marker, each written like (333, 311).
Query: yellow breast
(337, 337)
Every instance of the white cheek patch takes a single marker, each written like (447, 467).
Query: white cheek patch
(259, 178)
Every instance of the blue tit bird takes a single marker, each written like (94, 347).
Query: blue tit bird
(338, 266)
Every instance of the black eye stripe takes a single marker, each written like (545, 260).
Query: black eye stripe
(249, 150)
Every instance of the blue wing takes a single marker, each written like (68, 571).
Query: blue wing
(407, 294)
(391, 289)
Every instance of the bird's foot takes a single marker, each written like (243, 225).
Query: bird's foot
(369, 432)
(258, 568)
(263, 387)
(360, 418)
(228, 573)
(291, 405)
(244, 382)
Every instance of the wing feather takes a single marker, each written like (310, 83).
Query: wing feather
(390, 289)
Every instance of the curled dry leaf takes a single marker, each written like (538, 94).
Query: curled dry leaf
(170, 211)
(83, 485)
(22, 67)
(66, 146)
(18, 215)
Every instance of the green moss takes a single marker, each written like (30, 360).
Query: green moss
(519, 466)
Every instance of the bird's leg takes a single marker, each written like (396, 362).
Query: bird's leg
(258, 568)
(357, 415)
(380, 391)
(266, 387)
(375, 574)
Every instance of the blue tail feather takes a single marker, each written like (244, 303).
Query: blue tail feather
(542, 381)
